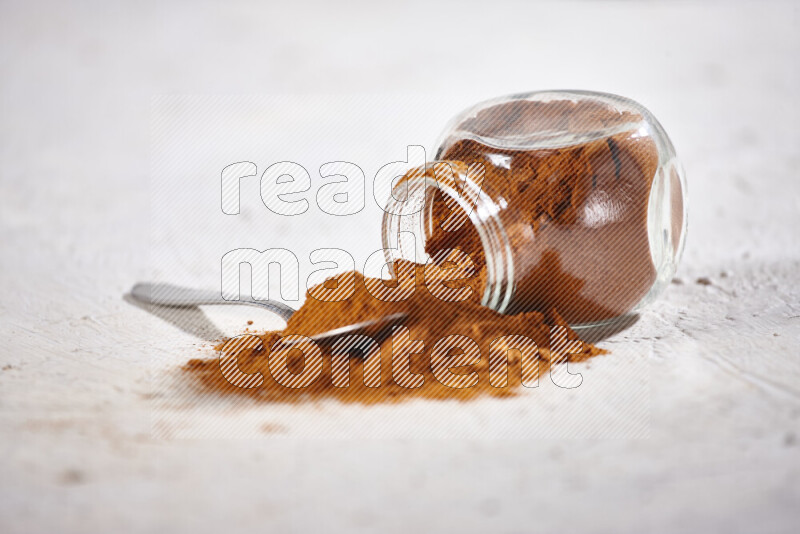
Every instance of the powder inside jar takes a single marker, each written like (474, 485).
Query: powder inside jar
(577, 204)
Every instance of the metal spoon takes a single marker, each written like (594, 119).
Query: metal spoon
(182, 297)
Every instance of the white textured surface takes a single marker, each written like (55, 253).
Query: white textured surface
(723, 451)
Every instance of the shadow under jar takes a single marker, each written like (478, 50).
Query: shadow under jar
(565, 200)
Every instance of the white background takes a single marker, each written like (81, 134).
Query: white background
(722, 447)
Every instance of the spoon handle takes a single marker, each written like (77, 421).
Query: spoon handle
(183, 297)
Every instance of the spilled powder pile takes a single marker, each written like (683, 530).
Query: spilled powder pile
(429, 319)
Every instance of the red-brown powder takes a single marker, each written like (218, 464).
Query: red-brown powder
(429, 319)
(585, 205)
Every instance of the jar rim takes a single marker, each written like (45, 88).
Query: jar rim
(482, 211)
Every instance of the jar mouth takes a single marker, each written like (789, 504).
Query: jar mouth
(410, 211)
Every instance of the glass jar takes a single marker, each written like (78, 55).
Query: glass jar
(565, 200)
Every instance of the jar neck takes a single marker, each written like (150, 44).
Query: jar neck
(408, 222)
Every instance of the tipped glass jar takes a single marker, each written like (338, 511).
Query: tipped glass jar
(565, 200)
